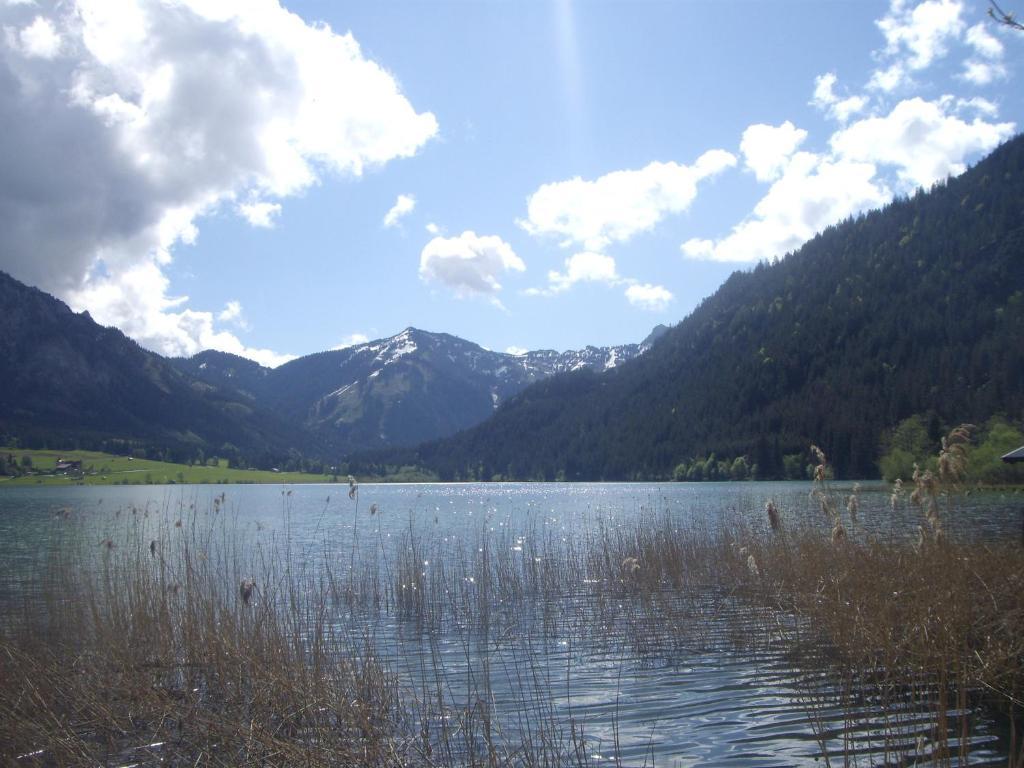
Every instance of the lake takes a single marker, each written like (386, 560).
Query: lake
(690, 696)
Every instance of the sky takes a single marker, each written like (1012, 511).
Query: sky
(274, 179)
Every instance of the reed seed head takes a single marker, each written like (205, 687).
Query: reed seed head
(838, 534)
(752, 566)
(245, 590)
(852, 506)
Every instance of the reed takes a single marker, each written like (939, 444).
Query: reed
(191, 638)
(184, 644)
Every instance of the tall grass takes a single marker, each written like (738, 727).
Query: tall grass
(182, 641)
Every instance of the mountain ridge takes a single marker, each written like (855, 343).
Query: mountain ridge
(398, 390)
(70, 382)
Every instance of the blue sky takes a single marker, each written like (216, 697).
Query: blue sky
(275, 181)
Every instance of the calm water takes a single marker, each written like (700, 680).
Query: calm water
(688, 698)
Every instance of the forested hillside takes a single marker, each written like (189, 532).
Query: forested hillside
(68, 382)
(914, 309)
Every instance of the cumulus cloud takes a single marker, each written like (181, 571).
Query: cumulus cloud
(517, 351)
(133, 120)
(469, 264)
(585, 267)
(39, 39)
(618, 205)
(915, 37)
(979, 105)
(403, 206)
(653, 298)
(766, 149)
(697, 248)
(986, 64)
(983, 72)
(432, 228)
(138, 303)
(921, 139)
(916, 144)
(825, 99)
(352, 340)
(259, 214)
(812, 193)
(983, 43)
(232, 311)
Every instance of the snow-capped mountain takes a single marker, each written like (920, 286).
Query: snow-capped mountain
(401, 390)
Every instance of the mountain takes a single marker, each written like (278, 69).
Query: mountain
(71, 382)
(68, 381)
(915, 309)
(401, 390)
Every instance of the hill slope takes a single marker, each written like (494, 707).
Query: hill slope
(69, 381)
(914, 309)
(401, 390)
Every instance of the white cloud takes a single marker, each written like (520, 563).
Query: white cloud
(38, 40)
(585, 267)
(155, 114)
(469, 264)
(986, 65)
(767, 148)
(824, 90)
(889, 79)
(983, 72)
(136, 301)
(915, 37)
(432, 228)
(825, 99)
(618, 205)
(232, 311)
(654, 298)
(813, 193)
(978, 104)
(921, 139)
(259, 214)
(696, 248)
(352, 340)
(916, 144)
(984, 44)
(403, 205)
(517, 351)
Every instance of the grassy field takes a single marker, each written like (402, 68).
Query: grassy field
(108, 469)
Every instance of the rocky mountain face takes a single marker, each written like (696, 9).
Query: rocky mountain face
(400, 390)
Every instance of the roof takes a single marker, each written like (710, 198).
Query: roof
(1015, 456)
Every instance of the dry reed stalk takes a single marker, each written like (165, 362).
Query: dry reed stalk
(165, 648)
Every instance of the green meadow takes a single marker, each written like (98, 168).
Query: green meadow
(107, 469)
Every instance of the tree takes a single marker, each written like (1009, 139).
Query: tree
(984, 464)
(1008, 19)
(908, 444)
(739, 469)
